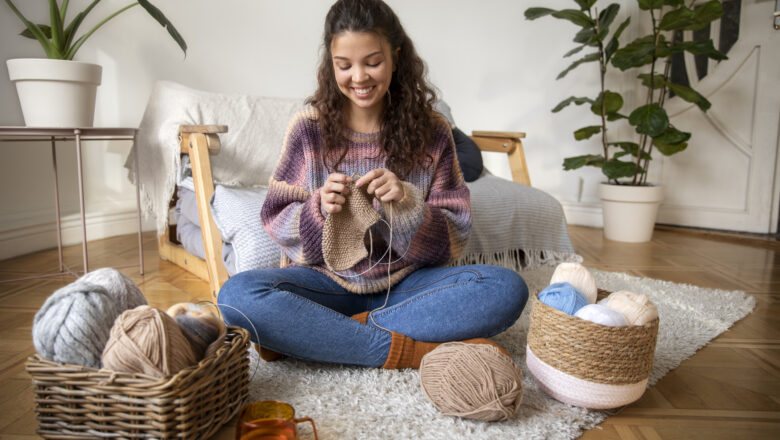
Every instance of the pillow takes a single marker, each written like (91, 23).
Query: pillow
(236, 212)
(469, 155)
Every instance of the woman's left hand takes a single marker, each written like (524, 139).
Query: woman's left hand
(382, 184)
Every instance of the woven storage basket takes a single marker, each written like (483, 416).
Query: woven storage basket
(73, 401)
(587, 364)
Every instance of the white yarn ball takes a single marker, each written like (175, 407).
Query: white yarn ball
(118, 285)
(636, 307)
(601, 314)
(578, 276)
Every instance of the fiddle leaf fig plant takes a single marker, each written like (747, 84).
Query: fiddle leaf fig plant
(630, 159)
(58, 37)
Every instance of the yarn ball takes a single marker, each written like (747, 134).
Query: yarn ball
(564, 297)
(200, 326)
(601, 314)
(146, 340)
(579, 277)
(636, 307)
(74, 324)
(118, 285)
(473, 381)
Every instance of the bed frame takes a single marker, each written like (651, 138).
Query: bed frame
(201, 141)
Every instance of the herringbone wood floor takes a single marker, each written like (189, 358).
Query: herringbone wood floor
(729, 389)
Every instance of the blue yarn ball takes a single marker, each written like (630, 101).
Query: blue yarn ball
(564, 297)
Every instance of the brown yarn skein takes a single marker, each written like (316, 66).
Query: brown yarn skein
(146, 340)
(473, 381)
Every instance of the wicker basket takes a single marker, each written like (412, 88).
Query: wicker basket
(73, 401)
(587, 364)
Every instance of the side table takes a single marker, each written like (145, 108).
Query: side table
(79, 135)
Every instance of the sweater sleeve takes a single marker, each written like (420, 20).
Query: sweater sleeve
(433, 230)
(291, 212)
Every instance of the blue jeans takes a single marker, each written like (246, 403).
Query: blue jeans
(303, 313)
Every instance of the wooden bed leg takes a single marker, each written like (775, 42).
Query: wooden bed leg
(198, 146)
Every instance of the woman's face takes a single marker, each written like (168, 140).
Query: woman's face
(363, 64)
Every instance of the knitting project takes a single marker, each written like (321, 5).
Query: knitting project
(343, 236)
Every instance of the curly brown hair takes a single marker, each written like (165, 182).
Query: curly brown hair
(407, 125)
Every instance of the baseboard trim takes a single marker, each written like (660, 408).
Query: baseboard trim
(583, 214)
(33, 238)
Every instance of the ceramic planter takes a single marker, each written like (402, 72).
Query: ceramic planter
(630, 211)
(55, 93)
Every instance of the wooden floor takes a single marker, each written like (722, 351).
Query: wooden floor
(730, 389)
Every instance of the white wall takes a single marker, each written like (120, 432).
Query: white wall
(495, 69)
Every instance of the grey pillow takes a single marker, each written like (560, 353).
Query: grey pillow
(237, 215)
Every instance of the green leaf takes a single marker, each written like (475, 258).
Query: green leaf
(690, 95)
(650, 4)
(577, 17)
(635, 54)
(57, 38)
(613, 44)
(573, 51)
(572, 163)
(612, 103)
(73, 27)
(585, 4)
(46, 29)
(615, 116)
(679, 19)
(669, 149)
(615, 169)
(160, 17)
(671, 136)
(631, 148)
(705, 47)
(587, 36)
(710, 11)
(534, 13)
(586, 59)
(649, 119)
(607, 16)
(674, 2)
(658, 80)
(572, 99)
(587, 132)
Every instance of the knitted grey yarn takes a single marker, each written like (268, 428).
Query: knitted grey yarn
(118, 285)
(74, 324)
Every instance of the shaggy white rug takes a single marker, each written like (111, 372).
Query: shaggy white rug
(360, 403)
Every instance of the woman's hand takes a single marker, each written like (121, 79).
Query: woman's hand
(382, 184)
(334, 192)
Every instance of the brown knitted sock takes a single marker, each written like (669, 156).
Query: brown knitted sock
(405, 352)
(361, 317)
(268, 355)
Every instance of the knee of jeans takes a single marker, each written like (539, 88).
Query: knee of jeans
(513, 289)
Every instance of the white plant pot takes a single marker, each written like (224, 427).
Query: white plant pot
(630, 211)
(55, 93)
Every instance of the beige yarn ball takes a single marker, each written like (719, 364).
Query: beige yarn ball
(473, 381)
(579, 277)
(146, 340)
(636, 307)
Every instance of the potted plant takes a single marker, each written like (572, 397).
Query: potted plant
(56, 91)
(630, 203)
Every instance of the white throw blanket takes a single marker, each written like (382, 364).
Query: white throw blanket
(249, 150)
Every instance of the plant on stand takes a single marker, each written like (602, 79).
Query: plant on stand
(42, 84)
(625, 163)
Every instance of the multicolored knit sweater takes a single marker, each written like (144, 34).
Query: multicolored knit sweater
(430, 225)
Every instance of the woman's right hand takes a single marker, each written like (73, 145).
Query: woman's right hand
(333, 193)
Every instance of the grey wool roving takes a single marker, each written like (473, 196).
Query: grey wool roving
(74, 323)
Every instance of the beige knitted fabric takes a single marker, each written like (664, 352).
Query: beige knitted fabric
(343, 236)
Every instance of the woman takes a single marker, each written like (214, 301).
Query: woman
(369, 131)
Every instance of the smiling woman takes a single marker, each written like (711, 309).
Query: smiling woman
(369, 146)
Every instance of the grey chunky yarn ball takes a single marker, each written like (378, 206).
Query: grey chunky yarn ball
(118, 285)
(74, 323)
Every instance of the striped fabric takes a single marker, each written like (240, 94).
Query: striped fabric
(430, 225)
